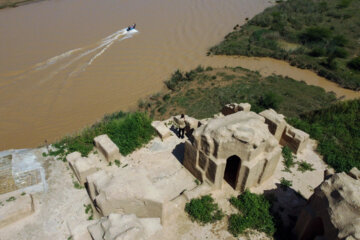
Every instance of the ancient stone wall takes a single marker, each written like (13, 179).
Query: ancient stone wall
(237, 147)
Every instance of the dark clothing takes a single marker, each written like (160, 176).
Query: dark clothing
(181, 132)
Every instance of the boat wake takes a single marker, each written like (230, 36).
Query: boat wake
(72, 62)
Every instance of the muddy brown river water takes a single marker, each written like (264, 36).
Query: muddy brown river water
(65, 63)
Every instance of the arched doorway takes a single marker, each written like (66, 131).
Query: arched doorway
(233, 164)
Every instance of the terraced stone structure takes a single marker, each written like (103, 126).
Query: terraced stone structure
(238, 148)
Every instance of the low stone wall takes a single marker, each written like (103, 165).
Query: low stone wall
(14, 208)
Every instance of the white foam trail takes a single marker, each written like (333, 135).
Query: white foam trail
(53, 60)
(102, 46)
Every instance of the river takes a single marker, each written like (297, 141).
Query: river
(65, 63)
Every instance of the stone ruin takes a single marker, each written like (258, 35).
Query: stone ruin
(238, 148)
(333, 211)
(242, 147)
(118, 226)
(283, 132)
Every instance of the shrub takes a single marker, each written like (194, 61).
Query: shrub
(117, 162)
(343, 3)
(354, 63)
(340, 40)
(288, 158)
(199, 69)
(270, 100)
(255, 213)
(304, 166)
(340, 53)
(317, 52)
(315, 34)
(204, 210)
(209, 68)
(166, 97)
(285, 183)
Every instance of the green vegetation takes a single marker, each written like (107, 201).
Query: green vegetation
(128, 131)
(285, 183)
(117, 163)
(337, 129)
(204, 210)
(209, 90)
(10, 199)
(23, 193)
(304, 166)
(255, 213)
(89, 210)
(318, 35)
(77, 185)
(13, 3)
(288, 158)
(197, 182)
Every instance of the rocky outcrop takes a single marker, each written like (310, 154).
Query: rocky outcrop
(238, 148)
(333, 211)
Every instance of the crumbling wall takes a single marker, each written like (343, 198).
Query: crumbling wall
(285, 134)
(333, 211)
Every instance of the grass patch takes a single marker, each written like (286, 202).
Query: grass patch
(304, 166)
(285, 183)
(128, 131)
(288, 158)
(337, 129)
(204, 210)
(326, 34)
(89, 210)
(11, 199)
(117, 163)
(77, 185)
(255, 214)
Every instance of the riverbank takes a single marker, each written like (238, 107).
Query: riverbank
(321, 36)
(14, 3)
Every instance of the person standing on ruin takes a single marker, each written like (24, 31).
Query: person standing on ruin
(182, 126)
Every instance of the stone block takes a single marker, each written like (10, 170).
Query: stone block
(295, 139)
(96, 181)
(72, 157)
(84, 167)
(354, 173)
(107, 147)
(80, 231)
(163, 131)
(276, 122)
(15, 208)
